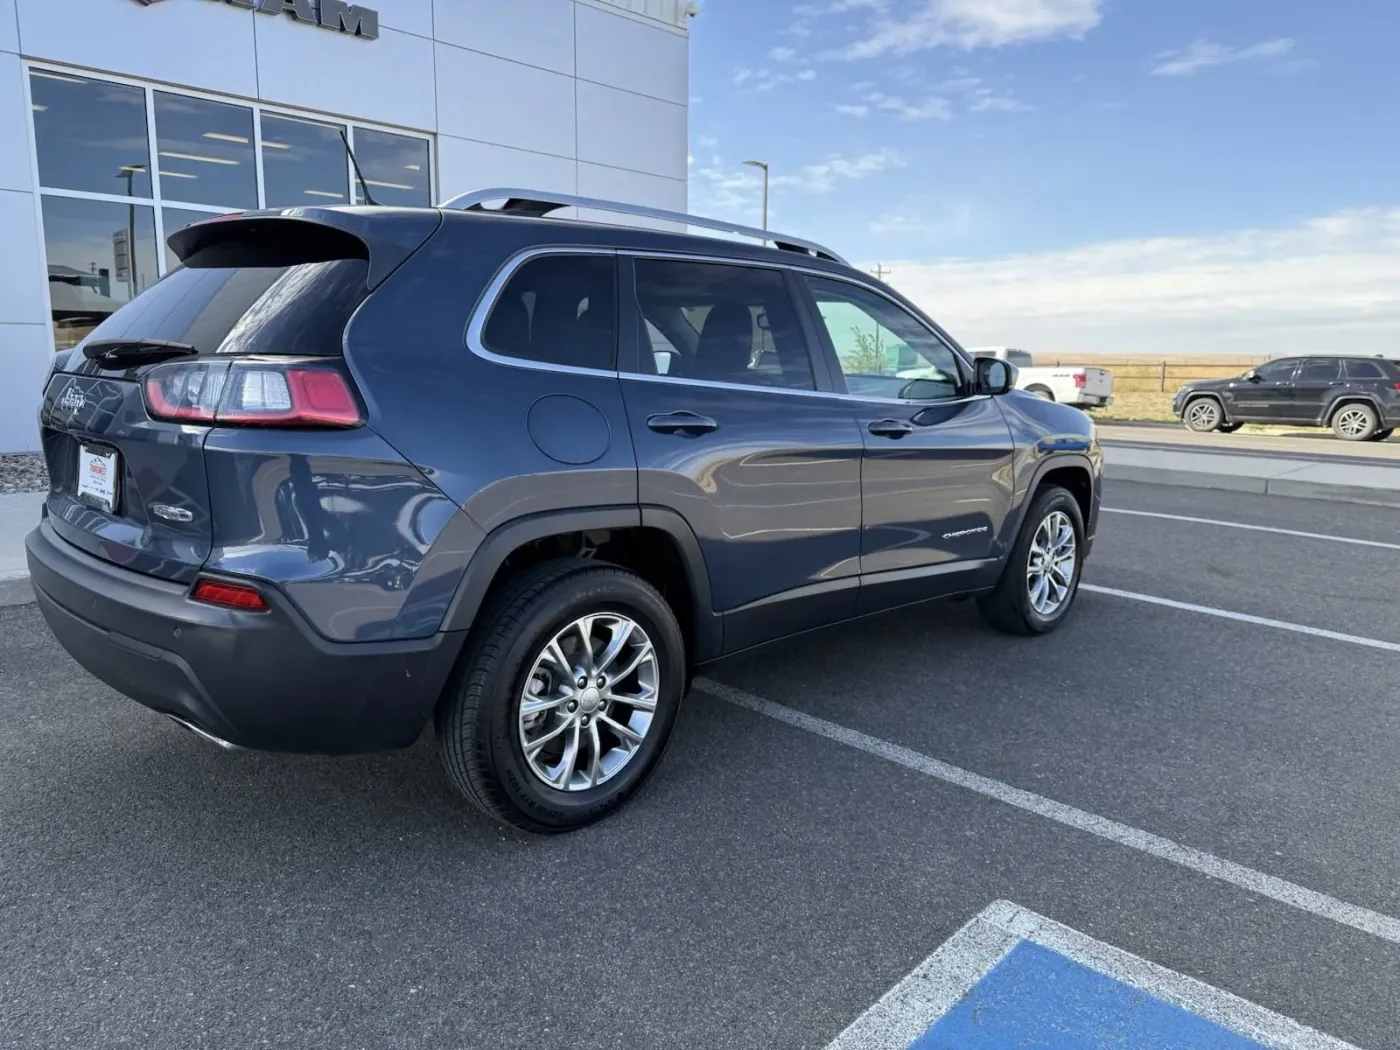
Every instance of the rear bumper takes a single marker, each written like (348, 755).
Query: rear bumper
(256, 680)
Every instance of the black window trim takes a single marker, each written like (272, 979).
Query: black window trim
(488, 299)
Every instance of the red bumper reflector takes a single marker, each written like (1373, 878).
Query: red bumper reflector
(229, 595)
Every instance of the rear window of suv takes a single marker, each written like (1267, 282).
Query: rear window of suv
(264, 293)
(1365, 370)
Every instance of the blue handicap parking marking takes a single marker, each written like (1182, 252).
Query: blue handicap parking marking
(1014, 980)
(1036, 999)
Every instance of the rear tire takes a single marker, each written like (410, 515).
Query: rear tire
(1355, 422)
(1203, 415)
(485, 731)
(1041, 391)
(1014, 606)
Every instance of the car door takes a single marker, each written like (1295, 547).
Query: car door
(1264, 394)
(1314, 386)
(937, 477)
(733, 432)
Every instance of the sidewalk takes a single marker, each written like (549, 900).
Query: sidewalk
(1268, 475)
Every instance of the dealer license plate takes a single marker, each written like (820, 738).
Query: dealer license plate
(98, 469)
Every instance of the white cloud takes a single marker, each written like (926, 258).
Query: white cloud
(970, 24)
(824, 177)
(807, 75)
(1326, 282)
(853, 111)
(987, 100)
(929, 109)
(741, 76)
(707, 141)
(1202, 54)
(782, 54)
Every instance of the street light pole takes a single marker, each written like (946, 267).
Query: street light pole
(763, 166)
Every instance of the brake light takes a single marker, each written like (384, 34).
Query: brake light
(252, 393)
(1080, 380)
(229, 595)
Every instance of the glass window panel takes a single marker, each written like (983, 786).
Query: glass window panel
(304, 164)
(395, 167)
(560, 309)
(101, 255)
(205, 151)
(91, 135)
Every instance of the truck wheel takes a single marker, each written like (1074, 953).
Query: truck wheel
(1041, 577)
(1203, 415)
(1041, 391)
(1355, 422)
(566, 698)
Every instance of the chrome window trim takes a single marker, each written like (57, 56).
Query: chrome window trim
(486, 302)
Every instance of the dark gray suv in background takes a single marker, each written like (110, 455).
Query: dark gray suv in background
(351, 470)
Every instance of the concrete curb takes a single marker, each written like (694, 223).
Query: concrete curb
(15, 590)
(1292, 487)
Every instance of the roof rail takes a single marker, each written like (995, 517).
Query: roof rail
(537, 204)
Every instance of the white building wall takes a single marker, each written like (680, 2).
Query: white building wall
(577, 96)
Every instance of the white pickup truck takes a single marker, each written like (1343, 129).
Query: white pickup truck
(1078, 385)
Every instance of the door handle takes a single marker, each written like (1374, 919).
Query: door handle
(891, 428)
(687, 423)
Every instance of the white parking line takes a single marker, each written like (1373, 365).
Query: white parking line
(1254, 528)
(1375, 923)
(1261, 621)
(946, 977)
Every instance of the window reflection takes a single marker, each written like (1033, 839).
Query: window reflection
(101, 255)
(91, 135)
(395, 168)
(304, 164)
(205, 151)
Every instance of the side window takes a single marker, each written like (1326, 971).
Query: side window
(560, 309)
(1276, 371)
(1364, 370)
(722, 323)
(1320, 370)
(883, 350)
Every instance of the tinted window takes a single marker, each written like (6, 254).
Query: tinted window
(561, 309)
(248, 309)
(91, 135)
(884, 350)
(722, 324)
(395, 168)
(1364, 370)
(303, 163)
(205, 150)
(1276, 371)
(1019, 358)
(1320, 371)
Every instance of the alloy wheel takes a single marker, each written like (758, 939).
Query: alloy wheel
(1353, 422)
(588, 702)
(1203, 415)
(1053, 558)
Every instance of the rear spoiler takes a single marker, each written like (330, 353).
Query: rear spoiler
(384, 237)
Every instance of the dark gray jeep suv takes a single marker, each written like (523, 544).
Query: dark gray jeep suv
(351, 470)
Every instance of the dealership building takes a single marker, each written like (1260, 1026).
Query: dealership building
(123, 120)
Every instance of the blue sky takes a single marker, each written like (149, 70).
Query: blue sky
(1213, 175)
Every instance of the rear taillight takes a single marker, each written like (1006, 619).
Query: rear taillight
(1080, 379)
(257, 392)
(229, 595)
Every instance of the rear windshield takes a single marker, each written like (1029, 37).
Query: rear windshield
(298, 309)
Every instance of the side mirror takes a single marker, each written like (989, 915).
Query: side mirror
(1251, 376)
(992, 376)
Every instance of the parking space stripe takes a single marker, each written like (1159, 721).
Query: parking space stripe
(1261, 621)
(1320, 904)
(1253, 528)
(941, 982)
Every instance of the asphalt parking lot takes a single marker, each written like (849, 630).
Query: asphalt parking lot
(771, 882)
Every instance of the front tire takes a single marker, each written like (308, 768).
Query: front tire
(1382, 435)
(1355, 422)
(1203, 415)
(527, 732)
(1228, 428)
(1041, 578)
